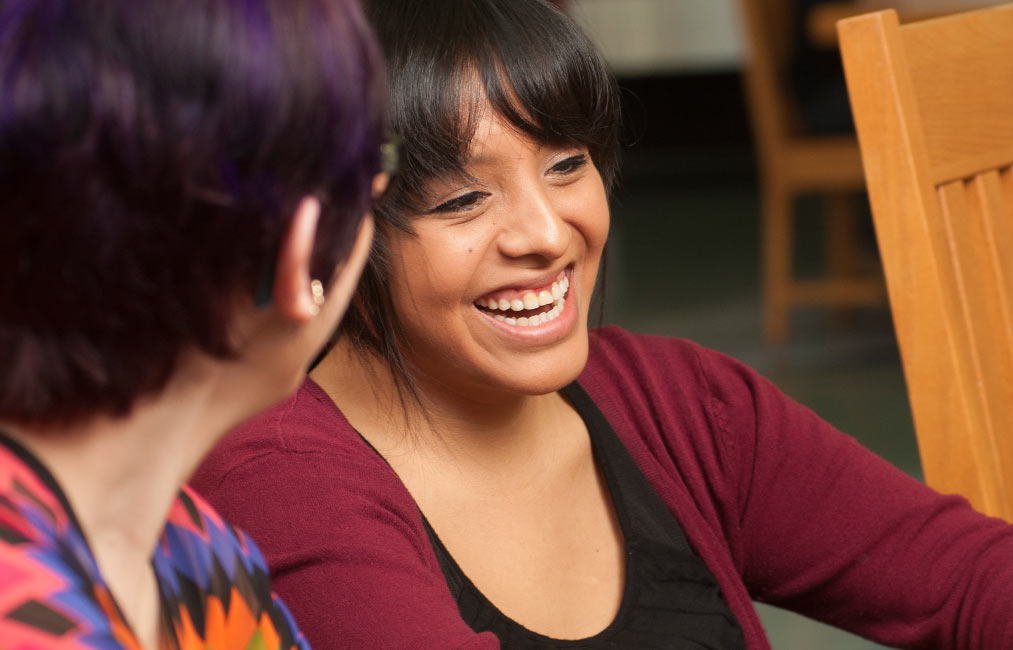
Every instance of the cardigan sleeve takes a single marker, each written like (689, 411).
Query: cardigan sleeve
(832, 531)
(347, 554)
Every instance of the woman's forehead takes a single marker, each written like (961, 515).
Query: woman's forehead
(495, 137)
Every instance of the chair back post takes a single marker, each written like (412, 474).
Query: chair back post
(933, 108)
(768, 50)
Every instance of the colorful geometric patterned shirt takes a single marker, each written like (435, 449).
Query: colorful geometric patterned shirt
(213, 581)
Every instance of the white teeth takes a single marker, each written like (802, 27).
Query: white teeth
(556, 293)
(537, 319)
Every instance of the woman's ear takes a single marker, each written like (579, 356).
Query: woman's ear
(293, 287)
(300, 297)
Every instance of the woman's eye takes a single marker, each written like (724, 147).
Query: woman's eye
(569, 165)
(460, 203)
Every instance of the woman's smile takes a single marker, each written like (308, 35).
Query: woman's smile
(537, 311)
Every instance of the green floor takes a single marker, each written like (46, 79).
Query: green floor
(683, 261)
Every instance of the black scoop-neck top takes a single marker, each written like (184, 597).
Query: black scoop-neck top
(671, 600)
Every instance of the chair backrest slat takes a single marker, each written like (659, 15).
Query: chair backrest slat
(933, 108)
(992, 212)
(988, 343)
(957, 86)
(998, 193)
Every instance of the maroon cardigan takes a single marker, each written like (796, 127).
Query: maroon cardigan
(781, 507)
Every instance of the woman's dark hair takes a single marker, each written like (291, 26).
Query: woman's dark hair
(538, 71)
(151, 156)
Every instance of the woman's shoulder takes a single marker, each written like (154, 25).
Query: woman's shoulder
(680, 386)
(51, 587)
(195, 529)
(620, 358)
(284, 472)
(616, 347)
(305, 430)
(196, 542)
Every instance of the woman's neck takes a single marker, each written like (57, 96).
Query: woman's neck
(121, 476)
(448, 427)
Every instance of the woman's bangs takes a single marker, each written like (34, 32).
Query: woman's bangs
(555, 89)
(526, 62)
(539, 106)
(435, 130)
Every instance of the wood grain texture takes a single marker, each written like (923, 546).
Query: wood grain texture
(933, 108)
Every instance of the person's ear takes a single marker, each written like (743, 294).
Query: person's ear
(293, 292)
(298, 296)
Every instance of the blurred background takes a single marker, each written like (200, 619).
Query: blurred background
(706, 100)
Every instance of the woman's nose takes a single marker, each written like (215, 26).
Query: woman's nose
(535, 227)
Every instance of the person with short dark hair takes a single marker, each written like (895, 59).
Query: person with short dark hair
(184, 213)
(471, 467)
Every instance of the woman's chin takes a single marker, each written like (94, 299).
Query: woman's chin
(550, 370)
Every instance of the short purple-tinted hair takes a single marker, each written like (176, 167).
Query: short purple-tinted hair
(151, 154)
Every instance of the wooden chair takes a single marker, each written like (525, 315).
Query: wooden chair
(933, 107)
(792, 163)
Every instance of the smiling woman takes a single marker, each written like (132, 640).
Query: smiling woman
(471, 467)
(521, 216)
(519, 72)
